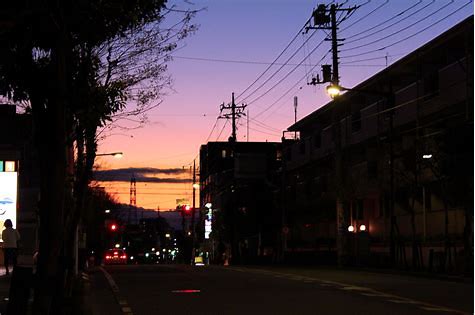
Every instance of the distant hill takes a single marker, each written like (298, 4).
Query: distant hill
(172, 217)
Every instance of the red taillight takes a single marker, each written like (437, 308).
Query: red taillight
(116, 253)
(108, 257)
(123, 256)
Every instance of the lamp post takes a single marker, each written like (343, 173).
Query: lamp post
(334, 90)
(116, 155)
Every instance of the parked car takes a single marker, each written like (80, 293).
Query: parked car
(115, 256)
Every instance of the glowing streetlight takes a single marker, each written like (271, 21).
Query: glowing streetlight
(362, 227)
(116, 155)
(167, 235)
(351, 228)
(333, 90)
(196, 186)
(208, 205)
(107, 211)
(427, 156)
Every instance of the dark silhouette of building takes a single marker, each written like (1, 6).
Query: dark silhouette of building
(395, 153)
(239, 180)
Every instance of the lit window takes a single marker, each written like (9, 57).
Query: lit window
(9, 166)
(1, 166)
(223, 154)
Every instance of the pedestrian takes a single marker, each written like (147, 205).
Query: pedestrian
(10, 238)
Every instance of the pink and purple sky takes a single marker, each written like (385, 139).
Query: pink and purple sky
(236, 41)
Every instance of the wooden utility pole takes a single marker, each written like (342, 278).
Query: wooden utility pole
(193, 233)
(325, 19)
(236, 112)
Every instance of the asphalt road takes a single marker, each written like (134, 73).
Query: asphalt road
(179, 289)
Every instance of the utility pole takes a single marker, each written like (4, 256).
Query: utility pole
(325, 19)
(133, 198)
(193, 234)
(236, 112)
(295, 114)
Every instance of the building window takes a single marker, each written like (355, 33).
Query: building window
(427, 199)
(358, 209)
(288, 154)
(372, 169)
(302, 147)
(317, 140)
(431, 85)
(223, 154)
(356, 121)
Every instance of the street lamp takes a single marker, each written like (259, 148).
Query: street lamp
(334, 90)
(116, 155)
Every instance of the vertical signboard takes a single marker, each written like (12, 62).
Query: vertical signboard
(208, 222)
(8, 197)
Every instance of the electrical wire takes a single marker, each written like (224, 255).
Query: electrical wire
(386, 21)
(364, 17)
(290, 89)
(275, 60)
(222, 129)
(396, 32)
(280, 68)
(408, 37)
(285, 77)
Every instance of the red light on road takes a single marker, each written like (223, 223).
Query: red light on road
(186, 291)
(113, 227)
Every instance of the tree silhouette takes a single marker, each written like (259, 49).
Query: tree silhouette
(79, 64)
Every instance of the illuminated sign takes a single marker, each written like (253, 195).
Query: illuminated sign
(208, 220)
(8, 197)
(182, 201)
(9, 166)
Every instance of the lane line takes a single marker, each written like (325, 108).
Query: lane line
(124, 306)
(365, 291)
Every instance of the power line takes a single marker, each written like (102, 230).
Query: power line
(285, 77)
(281, 67)
(267, 69)
(396, 32)
(252, 62)
(390, 19)
(408, 37)
(290, 89)
(222, 129)
(362, 18)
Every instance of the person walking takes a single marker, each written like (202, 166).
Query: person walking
(10, 238)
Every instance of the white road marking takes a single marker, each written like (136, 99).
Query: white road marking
(126, 310)
(370, 292)
(436, 309)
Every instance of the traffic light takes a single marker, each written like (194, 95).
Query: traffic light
(186, 209)
(113, 227)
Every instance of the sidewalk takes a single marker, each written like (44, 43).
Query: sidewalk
(4, 289)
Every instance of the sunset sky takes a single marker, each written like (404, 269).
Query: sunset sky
(235, 43)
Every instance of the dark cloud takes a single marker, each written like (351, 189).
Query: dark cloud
(142, 174)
